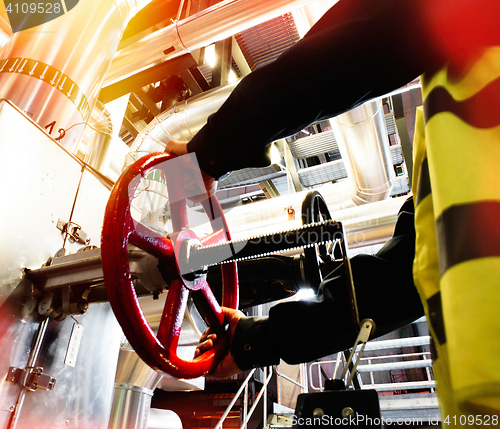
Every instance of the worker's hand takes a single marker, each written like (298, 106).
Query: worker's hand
(177, 147)
(227, 366)
(198, 187)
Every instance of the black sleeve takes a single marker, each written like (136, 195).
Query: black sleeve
(358, 50)
(306, 330)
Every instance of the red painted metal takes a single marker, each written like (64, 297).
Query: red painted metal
(119, 229)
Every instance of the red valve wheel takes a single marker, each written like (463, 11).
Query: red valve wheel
(119, 229)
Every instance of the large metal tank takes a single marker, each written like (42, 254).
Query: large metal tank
(54, 72)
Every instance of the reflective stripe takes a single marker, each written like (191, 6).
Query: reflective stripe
(477, 110)
(468, 231)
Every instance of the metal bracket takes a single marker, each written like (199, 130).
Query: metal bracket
(367, 328)
(31, 378)
(74, 231)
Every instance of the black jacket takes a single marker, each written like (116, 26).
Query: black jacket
(358, 50)
(306, 330)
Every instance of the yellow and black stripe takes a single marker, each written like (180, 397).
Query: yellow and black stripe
(457, 197)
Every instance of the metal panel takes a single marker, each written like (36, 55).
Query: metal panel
(89, 208)
(314, 145)
(16, 335)
(397, 154)
(249, 176)
(82, 395)
(323, 173)
(39, 182)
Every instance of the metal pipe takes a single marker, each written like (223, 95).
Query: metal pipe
(55, 74)
(163, 419)
(33, 358)
(215, 23)
(395, 365)
(181, 122)
(401, 386)
(132, 371)
(264, 402)
(361, 136)
(130, 409)
(400, 342)
(134, 385)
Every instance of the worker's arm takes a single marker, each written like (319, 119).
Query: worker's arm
(358, 50)
(306, 330)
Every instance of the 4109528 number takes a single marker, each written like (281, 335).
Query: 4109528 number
(40, 8)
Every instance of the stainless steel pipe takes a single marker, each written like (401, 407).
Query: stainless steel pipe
(361, 136)
(215, 23)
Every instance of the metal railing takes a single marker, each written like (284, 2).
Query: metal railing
(369, 367)
(247, 414)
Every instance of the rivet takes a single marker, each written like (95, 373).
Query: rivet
(318, 412)
(347, 412)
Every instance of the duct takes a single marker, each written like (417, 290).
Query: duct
(94, 148)
(181, 122)
(134, 386)
(361, 136)
(313, 145)
(401, 186)
(215, 23)
(323, 173)
(54, 74)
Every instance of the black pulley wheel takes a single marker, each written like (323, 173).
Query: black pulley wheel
(318, 261)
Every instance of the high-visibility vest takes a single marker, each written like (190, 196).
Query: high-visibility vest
(456, 188)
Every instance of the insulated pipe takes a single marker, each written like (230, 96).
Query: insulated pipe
(181, 122)
(163, 419)
(364, 225)
(361, 137)
(55, 74)
(215, 23)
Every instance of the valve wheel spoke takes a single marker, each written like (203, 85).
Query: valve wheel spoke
(151, 242)
(173, 315)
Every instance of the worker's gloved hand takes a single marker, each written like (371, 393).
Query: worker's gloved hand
(227, 366)
(197, 184)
